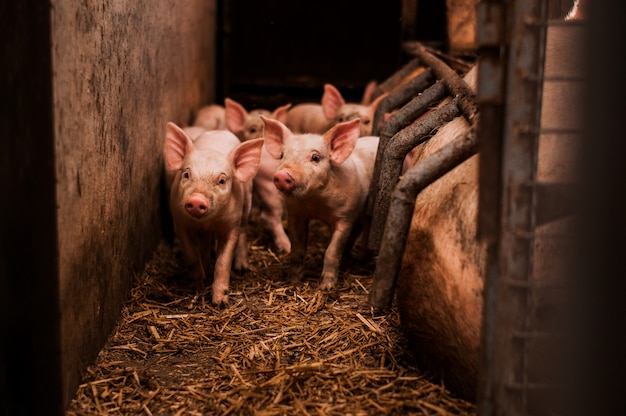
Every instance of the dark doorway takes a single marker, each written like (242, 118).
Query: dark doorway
(275, 52)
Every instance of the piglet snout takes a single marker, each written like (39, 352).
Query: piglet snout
(284, 181)
(197, 205)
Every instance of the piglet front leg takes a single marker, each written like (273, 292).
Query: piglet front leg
(334, 254)
(221, 279)
(241, 262)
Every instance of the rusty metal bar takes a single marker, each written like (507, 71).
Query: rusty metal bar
(390, 156)
(491, 92)
(393, 158)
(522, 48)
(453, 82)
(490, 95)
(399, 120)
(398, 220)
(453, 62)
(401, 96)
(415, 108)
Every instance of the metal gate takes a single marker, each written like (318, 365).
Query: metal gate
(524, 204)
(523, 210)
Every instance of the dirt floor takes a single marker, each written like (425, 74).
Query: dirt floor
(276, 349)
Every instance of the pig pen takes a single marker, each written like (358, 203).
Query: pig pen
(276, 349)
(147, 361)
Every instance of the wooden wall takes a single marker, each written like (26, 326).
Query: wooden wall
(91, 85)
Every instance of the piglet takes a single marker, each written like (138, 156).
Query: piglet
(333, 109)
(211, 117)
(209, 187)
(368, 92)
(248, 125)
(194, 131)
(325, 177)
(338, 110)
(307, 118)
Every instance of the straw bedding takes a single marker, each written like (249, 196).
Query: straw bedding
(276, 349)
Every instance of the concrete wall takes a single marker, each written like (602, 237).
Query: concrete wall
(84, 146)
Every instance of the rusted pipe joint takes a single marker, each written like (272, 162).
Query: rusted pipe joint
(401, 208)
(400, 97)
(399, 120)
(393, 158)
(456, 85)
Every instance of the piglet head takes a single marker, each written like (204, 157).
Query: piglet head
(202, 174)
(248, 125)
(337, 109)
(306, 160)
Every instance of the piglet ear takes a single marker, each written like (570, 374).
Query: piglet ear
(341, 139)
(177, 145)
(275, 134)
(377, 101)
(246, 158)
(235, 115)
(332, 101)
(280, 113)
(368, 93)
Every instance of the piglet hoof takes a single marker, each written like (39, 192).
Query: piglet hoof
(241, 265)
(327, 285)
(283, 244)
(220, 299)
(283, 248)
(241, 268)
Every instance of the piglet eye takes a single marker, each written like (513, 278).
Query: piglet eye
(315, 158)
(221, 180)
(186, 174)
(253, 130)
(366, 122)
(340, 119)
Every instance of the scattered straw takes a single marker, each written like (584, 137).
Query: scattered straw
(276, 349)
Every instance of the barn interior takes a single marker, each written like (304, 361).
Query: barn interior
(97, 315)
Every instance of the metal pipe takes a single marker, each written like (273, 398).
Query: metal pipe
(393, 158)
(455, 83)
(400, 97)
(398, 220)
(399, 120)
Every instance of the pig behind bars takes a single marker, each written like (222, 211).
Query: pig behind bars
(333, 109)
(269, 201)
(324, 177)
(209, 185)
(440, 284)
